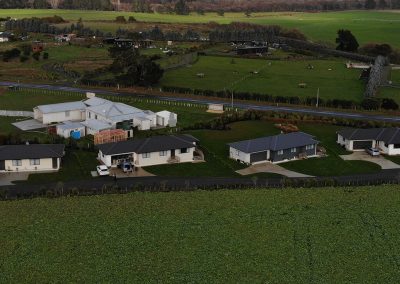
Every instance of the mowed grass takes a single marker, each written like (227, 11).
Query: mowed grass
(368, 26)
(278, 78)
(214, 144)
(330, 235)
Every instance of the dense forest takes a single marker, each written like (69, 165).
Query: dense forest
(201, 6)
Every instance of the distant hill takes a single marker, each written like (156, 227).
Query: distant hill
(200, 6)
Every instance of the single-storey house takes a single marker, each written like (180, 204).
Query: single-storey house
(71, 129)
(387, 140)
(31, 158)
(274, 149)
(156, 150)
(55, 113)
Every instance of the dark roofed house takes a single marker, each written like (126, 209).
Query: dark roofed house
(387, 140)
(275, 149)
(156, 150)
(30, 158)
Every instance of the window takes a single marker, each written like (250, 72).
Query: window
(35, 162)
(16, 163)
(95, 117)
(184, 150)
(146, 155)
(309, 147)
(163, 153)
(280, 152)
(396, 146)
(67, 113)
(90, 115)
(293, 150)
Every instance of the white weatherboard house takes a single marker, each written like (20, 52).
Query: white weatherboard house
(31, 158)
(156, 150)
(97, 114)
(274, 149)
(387, 140)
(56, 113)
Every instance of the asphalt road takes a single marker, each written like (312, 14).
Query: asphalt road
(361, 116)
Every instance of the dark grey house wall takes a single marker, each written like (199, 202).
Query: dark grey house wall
(287, 154)
(258, 157)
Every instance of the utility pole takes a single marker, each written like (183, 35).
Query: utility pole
(232, 99)
(317, 98)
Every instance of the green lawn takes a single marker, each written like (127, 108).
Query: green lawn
(368, 26)
(279, 78)
(214, 143)
(329, 235)
(76, 165)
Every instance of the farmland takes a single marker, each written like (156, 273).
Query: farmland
(330, 76)
(330, 235)
(368, 26)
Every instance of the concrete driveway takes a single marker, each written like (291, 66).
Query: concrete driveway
(364, 156)
(270, 168)
(8, 178)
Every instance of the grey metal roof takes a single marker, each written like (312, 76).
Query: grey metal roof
(96, 124)
(62, 107)
(70, 125)
(148, 145)
(32, 151)
(387, 135)
(275, 143)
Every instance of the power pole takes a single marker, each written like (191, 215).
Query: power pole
(317, 98)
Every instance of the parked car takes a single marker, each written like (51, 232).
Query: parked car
(103, 170)
(373, 152)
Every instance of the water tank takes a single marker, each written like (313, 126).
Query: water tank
(76, 135)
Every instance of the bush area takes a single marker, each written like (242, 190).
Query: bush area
(330, 235)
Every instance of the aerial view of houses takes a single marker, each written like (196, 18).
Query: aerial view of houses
(197, 141)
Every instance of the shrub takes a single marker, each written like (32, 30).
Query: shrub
(36, 56)
(23, 58)
(11, 54)
(46, 55)
(120, 19)
(131, 19)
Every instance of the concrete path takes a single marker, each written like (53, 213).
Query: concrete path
(270, 168)
(140, 172)
(31, 124)
(8, 178)
(363, 156)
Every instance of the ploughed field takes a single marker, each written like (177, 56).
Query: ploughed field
(367, 26)
(330, 235)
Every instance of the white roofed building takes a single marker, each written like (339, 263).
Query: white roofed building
(55, 113)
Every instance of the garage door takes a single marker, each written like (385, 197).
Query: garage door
(359, 145)
(258, 157)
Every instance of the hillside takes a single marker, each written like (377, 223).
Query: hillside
(271, 236)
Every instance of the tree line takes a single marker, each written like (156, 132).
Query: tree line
(184, 7)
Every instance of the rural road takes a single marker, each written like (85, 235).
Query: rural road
(362, 116)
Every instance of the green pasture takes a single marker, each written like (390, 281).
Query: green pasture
(368, 26)
(278, 78)
(328, 235)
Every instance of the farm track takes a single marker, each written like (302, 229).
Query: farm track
(241, 105)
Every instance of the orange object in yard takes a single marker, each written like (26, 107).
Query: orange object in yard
(110, 136)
